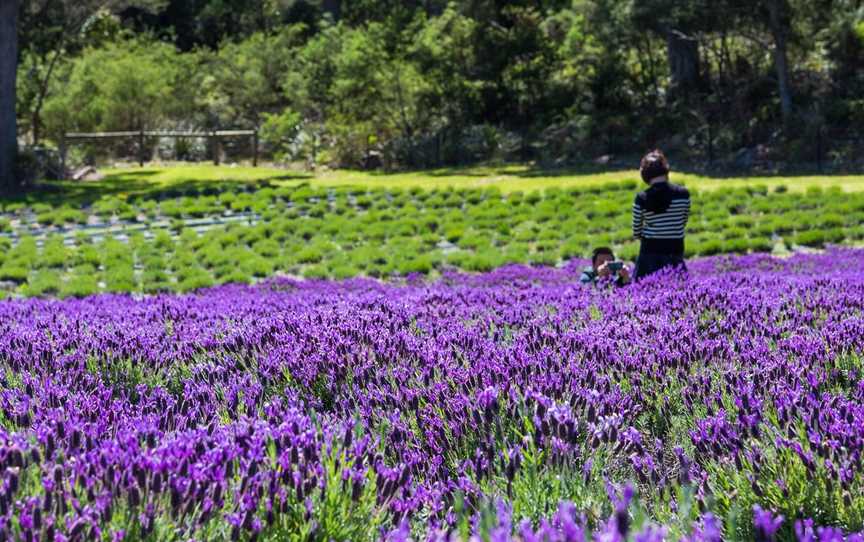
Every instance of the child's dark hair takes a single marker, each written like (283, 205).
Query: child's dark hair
(653, 165)
(599, 251)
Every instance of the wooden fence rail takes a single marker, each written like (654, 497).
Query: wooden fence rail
(214, 136)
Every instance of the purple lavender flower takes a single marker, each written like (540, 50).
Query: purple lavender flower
(766, 523)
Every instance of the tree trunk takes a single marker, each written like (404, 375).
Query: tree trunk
(683, 54)
(8, 73)
(781, 63)
(43, 93)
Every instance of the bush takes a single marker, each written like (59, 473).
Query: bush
(79, 285)
(738, 245)
(256, 266)
(44, 282)
(54, 254)
(315, 272)
(310, 254)
(761, 244)
(343, 270)
(482, 261)
(453, 234)
(192, 278)
(155, 281)
(25, 253)
(710, 247)
(236, 276)
(811, 238)
(14, 272)
(419, 264)
(834, 235)
(119, 278)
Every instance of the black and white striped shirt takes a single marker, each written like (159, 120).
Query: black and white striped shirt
(660, 216)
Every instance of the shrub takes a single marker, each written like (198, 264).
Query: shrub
(267, 248)
(735, 233)
(811, 238)
(453, 234)
(163, 241)
(856, 232)
(515, 253)
(834, 235)
(256, 266)
(44, 282)
(46, 218)
(193, 278)
(761, 244)
(574, 247)
(310, 254)
(315, 272)
(155, 281)
(119, 278)
(14, 272)
(482, 261)
(546, 246)
(738, 245)
(710, 247)
(24, 253)
(343, 270)
(543, 258)
(832, 220)
(80, 284)
(419, 264)
(475, 240)
(235, 276)
(628, 251)
(54, 253)
(86, 254)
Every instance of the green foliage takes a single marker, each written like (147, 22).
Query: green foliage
(243, 81)
(125, 85)
(44, 282)
(436, 83)
(80, 284)
(280, 132)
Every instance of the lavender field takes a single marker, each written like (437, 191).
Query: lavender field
(513, 405)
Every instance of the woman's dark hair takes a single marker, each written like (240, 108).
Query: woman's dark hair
(653, 165)
(599, 251)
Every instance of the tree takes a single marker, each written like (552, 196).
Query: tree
(8, 83)
(245, 78)
(129, 85)
(443, 50)
(78, 11)
(53, 32)
(778, 22)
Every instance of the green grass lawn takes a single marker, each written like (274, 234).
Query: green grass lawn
(524, 178)
(507, 178)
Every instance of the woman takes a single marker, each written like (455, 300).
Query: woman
(660, 215)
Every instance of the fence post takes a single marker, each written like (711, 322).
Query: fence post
(141, 147)
(216, 149)
(819, 148)
(255, 148)
(710, 145)
(63, 157)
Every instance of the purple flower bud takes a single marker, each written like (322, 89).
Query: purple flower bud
(766, 524)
